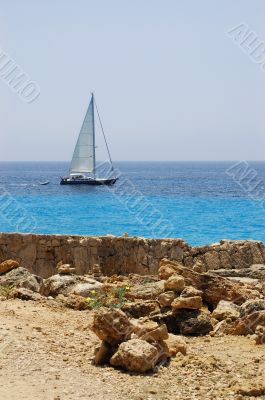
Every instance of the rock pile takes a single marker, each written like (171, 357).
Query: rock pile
(65, 269)
(137, 345)
(141, 320)
(181, 301)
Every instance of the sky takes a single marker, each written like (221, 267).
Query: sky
(169, 82)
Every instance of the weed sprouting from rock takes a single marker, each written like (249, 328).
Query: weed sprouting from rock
(110, 298)
(6, 290)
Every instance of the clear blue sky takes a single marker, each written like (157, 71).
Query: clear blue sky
(169, 83)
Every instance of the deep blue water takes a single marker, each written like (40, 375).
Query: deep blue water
(196, 201)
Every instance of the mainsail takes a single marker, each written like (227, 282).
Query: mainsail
(83, 160)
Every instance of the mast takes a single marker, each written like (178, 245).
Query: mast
(94, 136)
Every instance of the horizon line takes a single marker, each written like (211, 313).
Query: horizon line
(134, 161)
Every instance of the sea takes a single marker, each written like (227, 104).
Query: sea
(200, 202)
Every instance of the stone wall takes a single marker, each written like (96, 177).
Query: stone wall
(41, 253)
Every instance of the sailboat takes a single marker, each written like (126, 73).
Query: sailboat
(83, 164)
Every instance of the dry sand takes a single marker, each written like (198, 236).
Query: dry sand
(46, 352)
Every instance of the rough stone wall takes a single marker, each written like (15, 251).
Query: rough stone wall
(41, 253)
(228, 254)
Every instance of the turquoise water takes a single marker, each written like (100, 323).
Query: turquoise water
(195, 201)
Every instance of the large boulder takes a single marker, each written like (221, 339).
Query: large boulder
(226, 309)
(135, 355)
(21, 277)
(8, 265)
(112, 326)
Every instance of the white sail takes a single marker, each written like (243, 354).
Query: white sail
(83, 160)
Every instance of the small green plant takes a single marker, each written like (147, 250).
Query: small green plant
(120, 294)
(111, 298)
(6, 290)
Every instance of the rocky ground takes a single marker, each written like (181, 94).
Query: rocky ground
(47, 351)
(183, 334)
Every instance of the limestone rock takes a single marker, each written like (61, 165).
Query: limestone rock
(59, 284)
(251, 306)
(166, 269)
(149, 330)
(167, 317)
(96, 270)
(163, 352)
(75, 302)
(201, 325)
(165, 299)
(215, 288)
(260, 334)
(21, 277)
(140, 308)
(146, 291)
(157, 334)
(190, 291)
(103, 353)
(66, 284)
(175, 344)
(222, 327)
(24, 294)
(185, 321)
(248, 324)
(245, 280)
(65, 269)
(226, 309)
(187, 302)
(135, 355)
(176, 283)
(230, 254)
(127, 254)
(255, 271)
(112, 326)
(198, 266)
(85, 288)
(7, 266)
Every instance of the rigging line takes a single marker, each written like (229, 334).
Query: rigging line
(103, 134)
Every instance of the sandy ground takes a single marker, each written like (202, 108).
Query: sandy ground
(46, 353)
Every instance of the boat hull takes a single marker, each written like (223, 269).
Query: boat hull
(91, 182)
